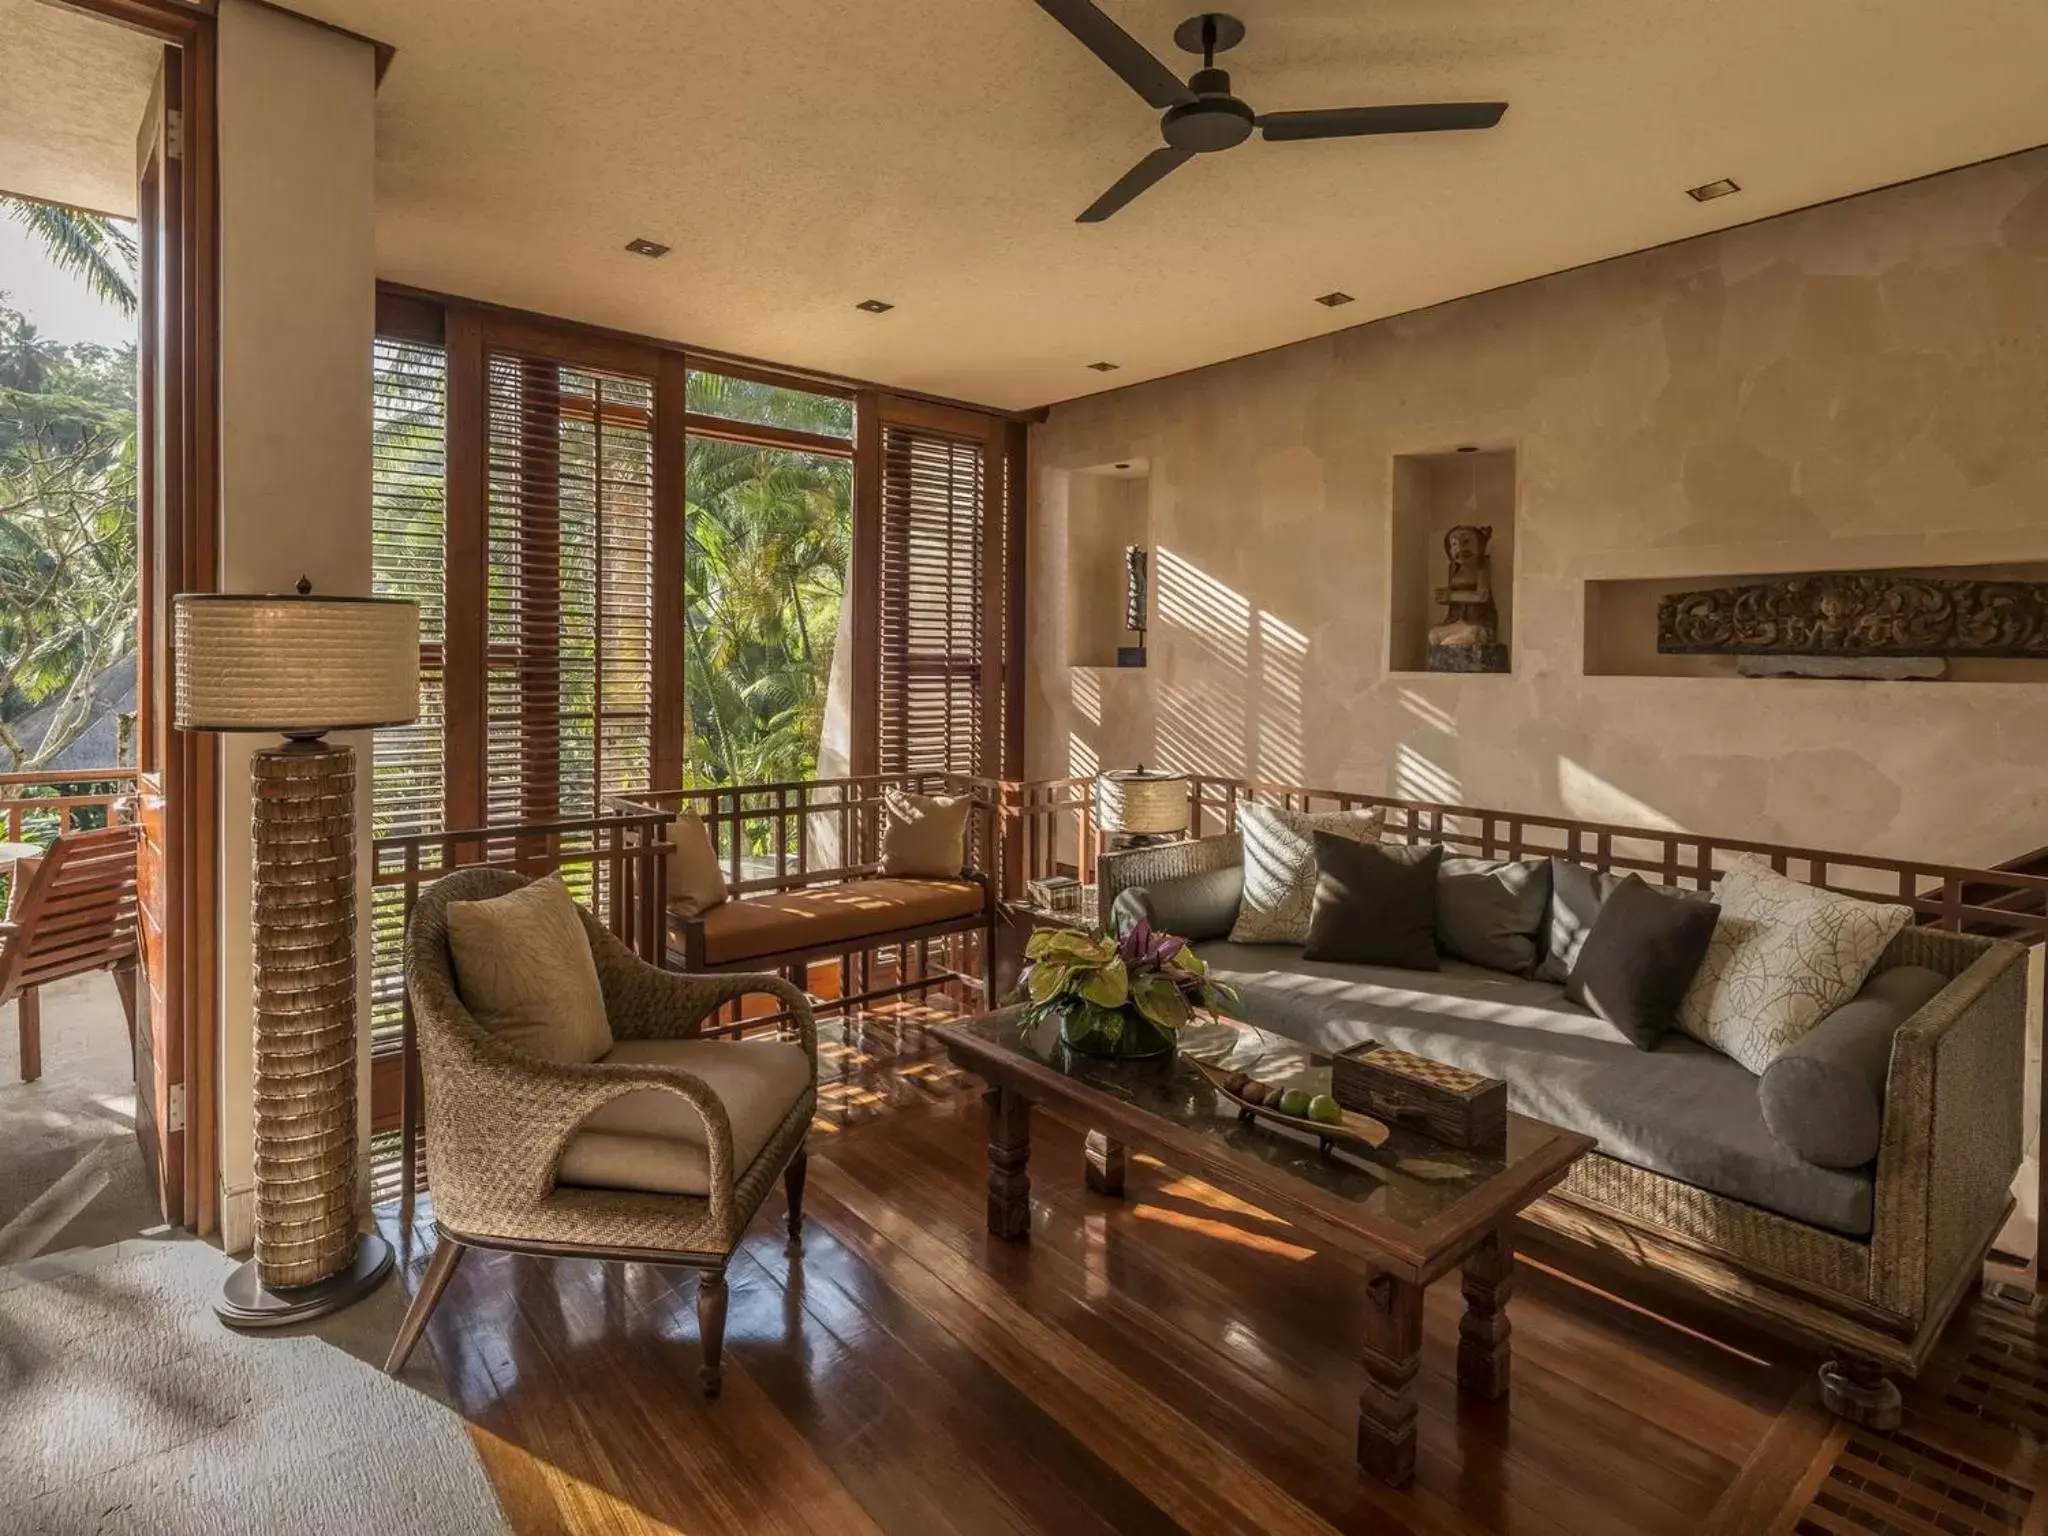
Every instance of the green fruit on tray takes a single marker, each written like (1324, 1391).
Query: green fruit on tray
(1295, 1102)
(1325, 1109)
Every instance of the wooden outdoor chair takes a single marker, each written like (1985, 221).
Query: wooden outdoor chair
(73, 912)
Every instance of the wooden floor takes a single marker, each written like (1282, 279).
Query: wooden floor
(1174, 1360)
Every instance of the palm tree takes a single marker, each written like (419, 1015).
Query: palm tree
(91, 245)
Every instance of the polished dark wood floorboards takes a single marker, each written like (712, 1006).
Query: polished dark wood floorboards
(1176, 1360)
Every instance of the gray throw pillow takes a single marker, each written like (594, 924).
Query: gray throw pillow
(1640, 957)
(1491, 912)
(1575, 896)
(1824, 1097)
(1194, 907)
(1371, 907)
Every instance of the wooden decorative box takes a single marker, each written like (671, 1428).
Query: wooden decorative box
(1447, 1103)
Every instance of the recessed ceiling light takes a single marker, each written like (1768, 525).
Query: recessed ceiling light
(645, 247)
(1104, 367)
(1333, 299)
(1123, 466)
(1712, 190)
(1468, 447)
(875, 306)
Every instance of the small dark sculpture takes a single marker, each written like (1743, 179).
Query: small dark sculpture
(1858, 614)
(1468, 640)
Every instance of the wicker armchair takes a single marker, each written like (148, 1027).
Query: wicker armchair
(498, 1121)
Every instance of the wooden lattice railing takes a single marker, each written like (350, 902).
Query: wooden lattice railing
(37, 807)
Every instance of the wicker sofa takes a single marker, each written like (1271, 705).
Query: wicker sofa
(1936, 1196)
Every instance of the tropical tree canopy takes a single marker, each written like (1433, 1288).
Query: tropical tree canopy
(67, 500)
(769, 536)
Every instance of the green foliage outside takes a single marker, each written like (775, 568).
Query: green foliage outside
(769, 534)
(67, 513)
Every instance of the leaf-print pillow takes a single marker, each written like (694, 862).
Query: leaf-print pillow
(1783, 957)
(1280, 867)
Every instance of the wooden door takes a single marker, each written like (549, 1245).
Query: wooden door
(161, 401)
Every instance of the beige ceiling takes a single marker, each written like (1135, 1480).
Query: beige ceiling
(72, 94)
(801, 155)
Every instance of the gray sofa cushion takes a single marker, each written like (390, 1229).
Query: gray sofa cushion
(1491, 911)
(1824, 1098)
(1193, 907)
(1682, 1110)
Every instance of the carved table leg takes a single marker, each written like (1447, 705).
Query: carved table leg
(1009, 1156)
(1483, 1356)
(1105, 1165)
(1393, 1351)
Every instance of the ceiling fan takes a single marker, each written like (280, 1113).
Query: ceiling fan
(1202, 116)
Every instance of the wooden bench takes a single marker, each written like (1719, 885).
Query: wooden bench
(803, 883)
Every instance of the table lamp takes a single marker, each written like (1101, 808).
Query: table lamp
(300, 666)
(1137, 807)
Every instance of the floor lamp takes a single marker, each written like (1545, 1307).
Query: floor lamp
(300, 666)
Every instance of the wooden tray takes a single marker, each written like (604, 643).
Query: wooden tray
(1356, 1129)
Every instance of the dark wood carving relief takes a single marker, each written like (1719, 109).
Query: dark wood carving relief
(1858, 615)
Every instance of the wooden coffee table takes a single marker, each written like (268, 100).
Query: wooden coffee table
(1411, 1210)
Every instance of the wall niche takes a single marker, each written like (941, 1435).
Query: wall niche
(1108, 512)
(1432, 494)
(1622, 628)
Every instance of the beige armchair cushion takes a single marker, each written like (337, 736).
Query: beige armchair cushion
(924, 837)
(695, 882)
(655, 1141)
(523, 969)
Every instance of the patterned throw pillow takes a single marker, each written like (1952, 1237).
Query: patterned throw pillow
(1280, 867)
(1783, 957)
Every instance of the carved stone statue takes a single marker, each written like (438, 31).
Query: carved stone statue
(1468, 640)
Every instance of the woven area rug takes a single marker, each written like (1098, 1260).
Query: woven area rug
(128, 1407)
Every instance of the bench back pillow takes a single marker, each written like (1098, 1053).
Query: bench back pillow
(1576, 893)
(1280, 866)
(695, 882)
(924, 837)
(1783, 957)
(1639, 959)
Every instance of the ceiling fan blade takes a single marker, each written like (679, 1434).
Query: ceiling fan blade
(1120, 51)
(1134, 181)
(1351, 122)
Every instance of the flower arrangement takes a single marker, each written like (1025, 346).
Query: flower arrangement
(1118, 997)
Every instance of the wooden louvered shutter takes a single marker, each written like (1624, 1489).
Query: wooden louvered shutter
(408, 542)
(941, 593)
(569, 589)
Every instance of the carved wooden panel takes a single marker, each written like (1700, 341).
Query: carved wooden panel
(1859, 615)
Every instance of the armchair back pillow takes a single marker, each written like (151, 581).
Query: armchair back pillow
(524, 970)
(924, 837)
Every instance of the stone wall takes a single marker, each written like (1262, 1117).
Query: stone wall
(1858, 385)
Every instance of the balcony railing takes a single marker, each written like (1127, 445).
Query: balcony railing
(38, 807)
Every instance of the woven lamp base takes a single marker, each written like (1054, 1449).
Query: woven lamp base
(309, 1258)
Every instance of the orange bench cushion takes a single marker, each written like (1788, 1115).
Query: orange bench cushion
(783, 922)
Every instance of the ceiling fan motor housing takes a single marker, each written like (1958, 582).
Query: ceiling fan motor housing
(1214, 120)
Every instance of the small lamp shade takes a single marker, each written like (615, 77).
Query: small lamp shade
(1140, 804)
(295, 664)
